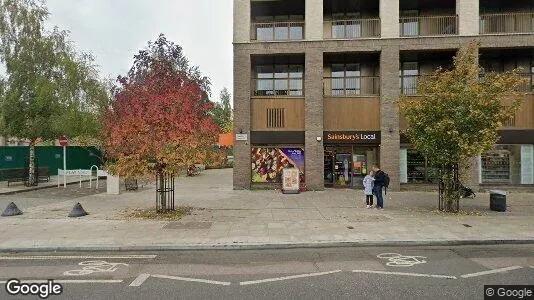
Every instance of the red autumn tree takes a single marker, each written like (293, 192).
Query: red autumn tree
(159, 119)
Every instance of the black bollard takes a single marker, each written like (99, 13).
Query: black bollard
(77, 211)
(11, 210)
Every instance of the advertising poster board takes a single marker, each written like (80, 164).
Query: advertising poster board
(268, 163)
(290, 181)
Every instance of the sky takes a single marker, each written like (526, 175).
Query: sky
(115, 30)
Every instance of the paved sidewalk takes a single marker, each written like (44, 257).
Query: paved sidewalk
(226, 218)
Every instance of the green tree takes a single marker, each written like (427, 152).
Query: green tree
(222, 112)
(457, 114)
(49, 88)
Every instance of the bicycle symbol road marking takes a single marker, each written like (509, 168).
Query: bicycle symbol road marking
(94, 266)
(399, 260)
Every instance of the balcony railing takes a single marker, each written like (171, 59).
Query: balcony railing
(277, 31)
(428, 26)
(507, 23)
(352, 29)
(291, 87)
(351, 86)
(409, 83)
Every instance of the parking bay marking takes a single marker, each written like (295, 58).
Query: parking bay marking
(288, 277)
(191, 279)
(140, 279)
(491, 271)
(94, 266)
(52, 257)
(405, 274)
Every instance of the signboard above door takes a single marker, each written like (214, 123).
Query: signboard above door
(351, 137)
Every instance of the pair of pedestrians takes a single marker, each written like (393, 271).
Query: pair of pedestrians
(373, 184)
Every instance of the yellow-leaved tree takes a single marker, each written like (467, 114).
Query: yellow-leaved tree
(457, 114)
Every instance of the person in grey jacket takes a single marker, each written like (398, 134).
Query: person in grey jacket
(368, 182)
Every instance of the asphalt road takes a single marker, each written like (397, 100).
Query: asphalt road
(327, 273)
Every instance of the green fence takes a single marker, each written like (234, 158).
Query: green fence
(51, 157)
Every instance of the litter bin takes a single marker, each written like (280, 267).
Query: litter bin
(498, 200)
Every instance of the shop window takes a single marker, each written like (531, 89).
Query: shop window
(502, 165)
(419, 169)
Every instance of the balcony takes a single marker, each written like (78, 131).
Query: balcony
(277, 31)
(269, 87)
(428, 26)
(501, 23)
(351, 86)
(352, 28)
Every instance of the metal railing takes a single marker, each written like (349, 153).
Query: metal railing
(351, 86)
(291, 87)
(428, 26)
(409, 83)
(352, 29)
(277, 31)
(507, 23)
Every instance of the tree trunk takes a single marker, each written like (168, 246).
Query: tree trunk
(32, 179)
(450, 199)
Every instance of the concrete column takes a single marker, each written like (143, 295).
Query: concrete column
(241, 21)
(314, 20)
(469, 174)
(241, 98)
(389, 115)
(469, 17)
(389, 18)
(314, 150)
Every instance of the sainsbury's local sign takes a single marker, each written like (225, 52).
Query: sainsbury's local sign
(352, 137)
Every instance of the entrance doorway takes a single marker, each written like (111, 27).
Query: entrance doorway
(345, 166)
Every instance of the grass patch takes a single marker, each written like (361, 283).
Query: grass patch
(152, 214)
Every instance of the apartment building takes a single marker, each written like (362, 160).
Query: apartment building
(314, 82)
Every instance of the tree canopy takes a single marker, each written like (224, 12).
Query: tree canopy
(458, 112)
(160, 114)
(222, 112)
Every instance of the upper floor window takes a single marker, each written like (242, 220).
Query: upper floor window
(279, 28)
(346, 26)
(409, 78)
(410, 23)
(346, 79)
(279, 80)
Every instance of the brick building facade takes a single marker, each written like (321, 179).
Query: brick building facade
(315, 83)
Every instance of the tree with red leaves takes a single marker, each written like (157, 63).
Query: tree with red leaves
(159, 120)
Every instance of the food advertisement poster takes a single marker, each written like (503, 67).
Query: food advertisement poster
(268, 163)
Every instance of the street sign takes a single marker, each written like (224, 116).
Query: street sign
(63, 141)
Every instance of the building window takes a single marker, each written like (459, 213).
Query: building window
(346, 26)
(279, 80)
(409, 76)
(409, 23)
(279, 28)
(346, 80)
(502, 165)
(419, 169)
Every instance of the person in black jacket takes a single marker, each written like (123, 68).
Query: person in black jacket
(377, 188)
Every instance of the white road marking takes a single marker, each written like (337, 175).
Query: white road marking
(405, 274)
(288, 277)
(191, 279)
(491, 271)
(94, 266)
(140, 279)
(69, 281)
(399, 260)
(52, 257)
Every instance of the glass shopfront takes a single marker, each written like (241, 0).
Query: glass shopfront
(347, 165)
(349, 156)
(508, 164)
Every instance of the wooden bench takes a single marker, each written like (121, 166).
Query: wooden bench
(14, 175)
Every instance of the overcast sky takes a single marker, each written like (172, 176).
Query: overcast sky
(114, 30)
